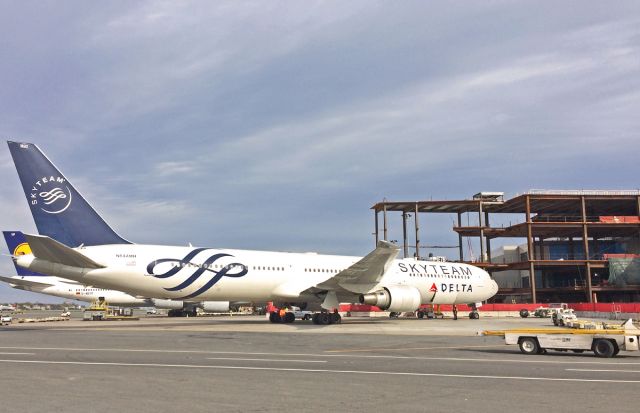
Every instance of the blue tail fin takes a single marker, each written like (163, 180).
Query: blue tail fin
(60, 212)
(17, 244)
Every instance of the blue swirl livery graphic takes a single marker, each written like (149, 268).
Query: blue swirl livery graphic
(234, 270)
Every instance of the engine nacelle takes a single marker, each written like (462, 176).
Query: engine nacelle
(168, 304)
(215, 306)
(397, 298)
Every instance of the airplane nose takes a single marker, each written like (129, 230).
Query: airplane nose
(494, 286)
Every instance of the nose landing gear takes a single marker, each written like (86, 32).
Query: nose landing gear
(474, 315)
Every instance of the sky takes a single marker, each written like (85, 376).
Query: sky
(276, 125)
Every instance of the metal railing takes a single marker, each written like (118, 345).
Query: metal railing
(633, 192)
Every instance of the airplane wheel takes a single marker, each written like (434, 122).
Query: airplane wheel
(474, 315)
(420, 314)
(335, 318)
(315, 319)
(324, 319)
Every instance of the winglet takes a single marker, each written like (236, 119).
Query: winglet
(50, 250)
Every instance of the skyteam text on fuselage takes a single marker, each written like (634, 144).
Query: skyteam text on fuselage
(76, 243)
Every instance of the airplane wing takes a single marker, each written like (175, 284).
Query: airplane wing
(359, 278)
(365, 274)
(24, 283)
(50, 250)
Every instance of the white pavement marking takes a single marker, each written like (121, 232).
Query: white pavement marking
(269, 360)
(605, 371)
(363, 372)
(19, 354)
(359, 350)
(547, 359)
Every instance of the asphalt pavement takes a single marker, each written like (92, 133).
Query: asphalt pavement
(241, 364)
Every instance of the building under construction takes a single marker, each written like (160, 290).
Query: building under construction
(578, 245)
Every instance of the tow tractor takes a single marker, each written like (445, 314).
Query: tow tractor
(99, 311)
(563, 317)
(542, 311)
(604, 342)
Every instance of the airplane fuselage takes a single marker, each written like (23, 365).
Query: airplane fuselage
(76, 291)
(188, 273)
(90, 294)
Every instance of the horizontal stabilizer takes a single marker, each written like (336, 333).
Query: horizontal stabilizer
(50, 250)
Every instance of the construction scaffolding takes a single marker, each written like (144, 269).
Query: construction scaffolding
(591, 228)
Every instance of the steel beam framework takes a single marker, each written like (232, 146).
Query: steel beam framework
(574, 215)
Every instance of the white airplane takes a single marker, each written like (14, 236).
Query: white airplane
(7, 307)
(76, 243)
(60, 287)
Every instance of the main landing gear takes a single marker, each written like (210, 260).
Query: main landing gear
(322, 318)
(183, 313)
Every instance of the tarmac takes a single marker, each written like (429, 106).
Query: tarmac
(246, 364)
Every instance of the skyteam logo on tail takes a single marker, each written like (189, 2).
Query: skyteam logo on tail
(51, 194)
(209, 266)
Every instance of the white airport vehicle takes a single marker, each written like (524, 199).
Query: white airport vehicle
(603, 342)
(5, 319)
(563, 316)
(540, 312)
(544, 311)
(77, 244)
(300, 314)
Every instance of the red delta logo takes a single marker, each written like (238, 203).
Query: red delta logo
(433, 290)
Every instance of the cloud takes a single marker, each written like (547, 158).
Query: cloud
(276, 125)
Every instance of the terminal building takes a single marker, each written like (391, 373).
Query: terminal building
(559, 246)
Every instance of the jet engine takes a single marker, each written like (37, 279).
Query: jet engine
(215, 306)
(167, 304)
(397, 298)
